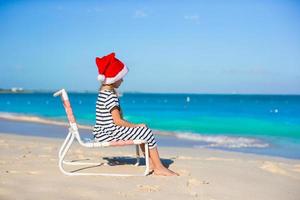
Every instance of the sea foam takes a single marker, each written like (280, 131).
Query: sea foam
(224, 141)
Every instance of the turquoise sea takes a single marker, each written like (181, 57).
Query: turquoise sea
(263, 124)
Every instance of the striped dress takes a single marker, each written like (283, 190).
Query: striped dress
(105, 130)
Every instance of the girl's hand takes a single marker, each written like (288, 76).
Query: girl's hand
(141, 125)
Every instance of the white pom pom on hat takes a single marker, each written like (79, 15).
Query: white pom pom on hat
(101, 77)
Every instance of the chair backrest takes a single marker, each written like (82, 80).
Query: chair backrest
(68, 108)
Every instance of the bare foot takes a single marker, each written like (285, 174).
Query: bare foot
(164, 172)
(151, 166)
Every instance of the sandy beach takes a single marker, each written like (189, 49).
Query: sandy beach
(29, 170)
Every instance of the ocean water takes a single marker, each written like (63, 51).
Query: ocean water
(263, 124)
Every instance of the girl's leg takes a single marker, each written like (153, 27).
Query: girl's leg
(151, 166)
(158, 167)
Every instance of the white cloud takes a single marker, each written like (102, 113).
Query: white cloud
(59, 7)
(194, 18)
(94, 9)
(140, 14)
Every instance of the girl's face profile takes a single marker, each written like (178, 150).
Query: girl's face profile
(118, 83)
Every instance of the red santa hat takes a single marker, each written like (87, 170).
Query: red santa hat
(110, 69)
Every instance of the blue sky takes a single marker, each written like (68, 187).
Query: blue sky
(244, 47)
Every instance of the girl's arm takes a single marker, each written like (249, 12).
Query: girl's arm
(121, 122)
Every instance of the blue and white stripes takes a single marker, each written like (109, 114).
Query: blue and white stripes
(106, 130)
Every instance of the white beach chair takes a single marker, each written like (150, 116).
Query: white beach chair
(74, 134)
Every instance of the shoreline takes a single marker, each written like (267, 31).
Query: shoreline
(40, 120)
(25, 128)
(38, 126)
(36, 119)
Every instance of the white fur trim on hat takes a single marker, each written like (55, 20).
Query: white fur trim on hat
(101, 77)
(120, 75)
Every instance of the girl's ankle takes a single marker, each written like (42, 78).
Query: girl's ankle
(160, 167)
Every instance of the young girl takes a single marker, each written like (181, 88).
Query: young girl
(110, 125)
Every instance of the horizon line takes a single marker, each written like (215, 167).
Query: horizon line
(144, 92)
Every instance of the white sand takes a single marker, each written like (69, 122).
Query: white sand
(28, 170)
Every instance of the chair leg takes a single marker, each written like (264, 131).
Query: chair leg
(65, 148)
(137, 149)
(146, 159)
(64, 144)
(63, 151)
